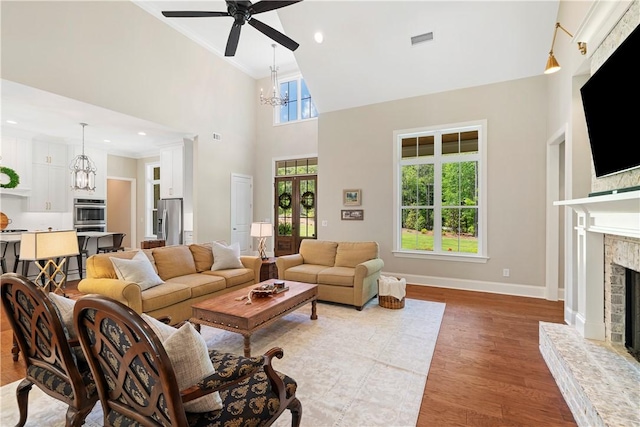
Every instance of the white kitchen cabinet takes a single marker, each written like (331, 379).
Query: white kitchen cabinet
(99, 157)
(50, 178)
(50, 153)
(172, 172)
(15, 153)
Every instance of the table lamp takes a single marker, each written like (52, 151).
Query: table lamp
(49, 245)
(262, 230)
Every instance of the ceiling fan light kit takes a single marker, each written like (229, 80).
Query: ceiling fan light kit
(242, 12)
(552, 64)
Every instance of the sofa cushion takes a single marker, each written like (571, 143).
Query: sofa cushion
(200, 284)
(225, 257)
(318, 252)
(202, 256)
(173, 261)
(307, 273)
(138, 270)
(233, 277)
(164, 295)
(99, 266)
(338, 276)
(350, 254)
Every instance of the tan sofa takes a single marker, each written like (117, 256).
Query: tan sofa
(346, 272)
(186, 271)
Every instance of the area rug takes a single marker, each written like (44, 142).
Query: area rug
(353, 368)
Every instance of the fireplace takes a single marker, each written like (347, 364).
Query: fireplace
(632, 313)
(597, 375)
(622, 292)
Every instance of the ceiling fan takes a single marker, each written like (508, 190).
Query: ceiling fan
(242, 11)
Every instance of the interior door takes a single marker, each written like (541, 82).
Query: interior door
(295, 211)
(241, 211)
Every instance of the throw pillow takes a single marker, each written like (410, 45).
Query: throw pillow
(65, 309)
(138, 270)
(225, 257)
(189, 356)
(161, 329)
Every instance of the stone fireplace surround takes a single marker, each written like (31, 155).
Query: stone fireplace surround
(598, 378)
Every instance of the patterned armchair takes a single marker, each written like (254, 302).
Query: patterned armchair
(54, 361)
(138, 379)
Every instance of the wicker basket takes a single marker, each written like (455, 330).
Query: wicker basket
(388, 301)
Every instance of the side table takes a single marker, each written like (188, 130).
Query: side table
(268, 270)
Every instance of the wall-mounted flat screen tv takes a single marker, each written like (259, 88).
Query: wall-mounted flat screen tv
(611, 101)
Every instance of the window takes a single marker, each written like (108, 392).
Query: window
(300, 105)
(153, 195)
(439, 192)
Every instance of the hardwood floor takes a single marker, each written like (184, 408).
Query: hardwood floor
(486, 368)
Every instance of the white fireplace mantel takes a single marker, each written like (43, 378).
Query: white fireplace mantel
(617, 214)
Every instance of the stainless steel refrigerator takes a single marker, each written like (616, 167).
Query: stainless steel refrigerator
(170, 225)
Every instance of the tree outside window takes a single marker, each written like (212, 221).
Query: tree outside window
(439, 191)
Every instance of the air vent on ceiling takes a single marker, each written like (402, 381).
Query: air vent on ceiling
(421, 38)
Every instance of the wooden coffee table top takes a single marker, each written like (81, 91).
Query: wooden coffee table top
(226, 312)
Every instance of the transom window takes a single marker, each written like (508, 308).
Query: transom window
(300, 105)
(439, 187)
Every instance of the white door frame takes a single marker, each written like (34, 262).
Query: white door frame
(553, 213)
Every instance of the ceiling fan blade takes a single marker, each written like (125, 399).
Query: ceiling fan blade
(193, 14)
(265, 6)
(273, 34)
(232, 41)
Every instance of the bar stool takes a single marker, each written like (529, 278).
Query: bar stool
(82, 251)
(3, 261)
(116, 246)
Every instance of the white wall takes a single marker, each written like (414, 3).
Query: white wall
(117, 56)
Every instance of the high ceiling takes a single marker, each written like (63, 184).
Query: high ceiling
(366, 56)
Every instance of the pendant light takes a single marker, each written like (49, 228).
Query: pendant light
(274, 100)
(83, 170)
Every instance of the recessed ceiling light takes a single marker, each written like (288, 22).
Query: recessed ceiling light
(106, 140)
(12, 122)
(318, 37)
(142, 133)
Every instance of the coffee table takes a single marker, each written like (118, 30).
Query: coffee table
(228, 313)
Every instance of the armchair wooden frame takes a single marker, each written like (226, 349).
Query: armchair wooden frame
(147, 391)
(46, 349)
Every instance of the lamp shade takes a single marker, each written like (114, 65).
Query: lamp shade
(261, 229)
(552, 65)
(36, 245)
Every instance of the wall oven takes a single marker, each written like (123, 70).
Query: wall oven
(90, 214)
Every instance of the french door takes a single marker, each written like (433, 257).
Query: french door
(295, 212)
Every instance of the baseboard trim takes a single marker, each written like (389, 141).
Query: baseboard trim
(478, 286)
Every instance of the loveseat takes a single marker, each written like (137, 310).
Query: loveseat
(345, 272)
(185, 271)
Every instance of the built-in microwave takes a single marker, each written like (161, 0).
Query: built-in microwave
(89, 212)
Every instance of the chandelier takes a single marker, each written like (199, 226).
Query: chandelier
(83, 170)
(274, 100)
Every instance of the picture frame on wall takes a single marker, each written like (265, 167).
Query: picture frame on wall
(352, 214)
(352, 197)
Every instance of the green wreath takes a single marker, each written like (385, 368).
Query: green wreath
(284, 201)
(308, 200)
(14, 179)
